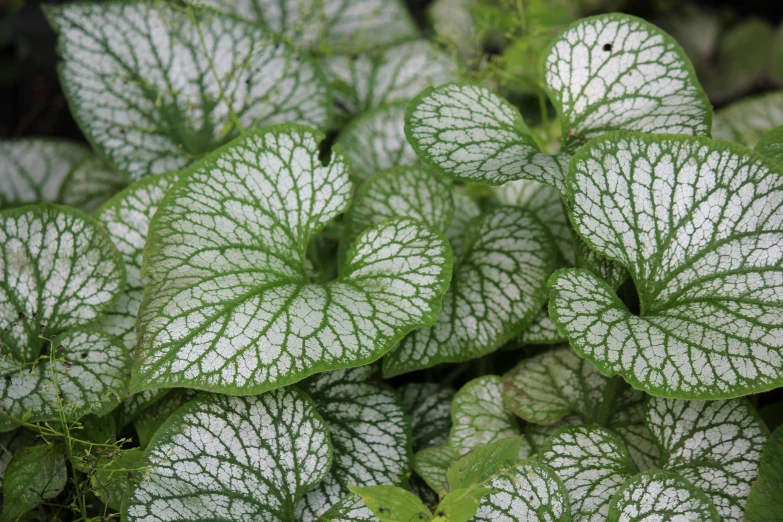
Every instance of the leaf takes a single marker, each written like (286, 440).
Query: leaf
(525, 490)
(351, 509)
(478, 466)
(696, 224)
(34, 475)
(369, 432)
(542, 330)
(546, 388)
(765, 502)
(225, 458)
(431, 464)
(394, 74)
(59, 271)
(334, 25)
(90, 369)
(150, 419)
(497, 289)
(90, 184)
(618, 72)
(393, 504)
(715, 445)
(469, 133)
(229, 306)
(178, 83)
(428, 406)
(111, 481)
(661, 495)
(771, 144)
(460, 504)
(747, 120)
(465, 211)
(11, 442)
(375, 141)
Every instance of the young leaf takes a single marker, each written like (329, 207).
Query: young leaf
(615, 71)
(499, 286)
(393, 504)
(222, 458)
(350, 509)
(229, 306)
(661, 495)
(460, 504)
(771, 144)
(59, 271)
(696, 223)
(525, 491)
(34, 475)
(747, 120)
(33, 169)
(178, 83)
(112, 480)
(369, 432)
(468, 132)
(715, 445)
(432, 463)
(90, 184)
(428, 406)
(765, 502)
(90, 369)
(375, 141)
(593, 464)
(478, 466)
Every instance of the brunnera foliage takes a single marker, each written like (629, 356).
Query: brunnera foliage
(286, 204)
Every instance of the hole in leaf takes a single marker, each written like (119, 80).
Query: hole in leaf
(607, 47)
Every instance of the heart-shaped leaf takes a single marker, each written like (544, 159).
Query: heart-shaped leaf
(154, 87)
(33, 169)
(34, 475)
(229, 306)
(90, 184)
(765, 502)
(369, 432)
(747, 120)
(661, 495)
(614, 71)
(771, 144)
(225, 458)
(468, 132)
(499, 286)
(428, 406)
(697, 225)
(59, 272)
(375, 141)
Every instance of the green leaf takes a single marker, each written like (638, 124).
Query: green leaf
(393, 504)
(90, 369)
(90, 184)
(696, 224)
(11, 442)
(469, 133)
(593, 464)
(34, 475)
(715, 445)
(460, 504)
(59, 271)
(546, 388)
(229, 306)
(499, 286)
(177, 83)
(375, 141)
(428, 406)
(614, 71)
(350, 509)
(525, 490)
(394, 74)
(111, 481)
(432, 463)
(747, 120)
(478, 466)
(33, 169)
(335, 25)
(662, 496)
(765, 502)
(771, 144)
(222, 458)
(149, 420)
(369, 432)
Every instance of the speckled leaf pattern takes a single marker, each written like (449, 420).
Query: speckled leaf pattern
(608, 270)
(716, 446)
(90, 184)
(398, 73)
(470, 133)
(154, 88)
(614, 71)
(225, 458)
(771, 145)
(350, 509)
(661, 496)
(428, 405)
(432, 463)
(499, 286)
(465, 211)
(697, 224)
(541, 331)
(593, 464)
(337, 25)
(765, 501)
(747, 120)
(229, 306)
(150, 418)
(33, 169)
(375, 141)
(369, 432)
(91, 371)
(524, 491)
(59, 271)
